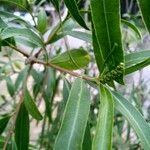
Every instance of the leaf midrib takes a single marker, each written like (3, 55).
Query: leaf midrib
(134, 122)
(76, 116)
(106, 21)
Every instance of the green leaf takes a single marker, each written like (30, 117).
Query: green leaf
(8, 41)
(31, 106)
(136, 57)
(2, 24)
(71, 133)
(103, 136)
(144, 6)
(135, 119)
(137, 66)
(10, 17)
(20, 3)
(20, 78)
(107, 35)
(87, 142)
(3, 123)
(10, 86)
(73, 9)
(72, 60)
(49, 90)
(42, 21)
(22, 129)
(132, 26)
(87, 37)
(136, 61)
(38, 81)
(21, 32)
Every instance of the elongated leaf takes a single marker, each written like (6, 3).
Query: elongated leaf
(107, 42)
(23, 4)
(136, 57)
(135, 118)
(10, 86)
(2, 24)
(9, 17)
(20, 78)
(132, 26)
(50, 90)
(38, 80)
(21, 32)
(103, 136)
(3, 123)
(87, 37)
(87, 142)
(71, 133)
(22, 129)
(137, 66)
(73, 9)
(30, 106)
(42, 21)
(72, 60)
(144, 6)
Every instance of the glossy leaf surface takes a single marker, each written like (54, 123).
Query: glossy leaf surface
(135, 119)
(72, 59)
(103, 135)
(75, 117)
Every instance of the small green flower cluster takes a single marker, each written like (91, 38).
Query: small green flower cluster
(113, 74)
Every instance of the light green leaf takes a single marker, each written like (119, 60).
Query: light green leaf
(2, 24)
(136, 57)
(10, 86)
(42, 21)
(136, 61)
(135, 119)
(20, 78)
(107, 35)
(87, 37)
(22, 129)
(3, 123)
(72, 59)
(137, 66)
(31, 106)
(144, 6)
(20, 3)
(71, 133)
(103, 136)
(132, 26)
(73, 9)
(49, 90)
(21, 32)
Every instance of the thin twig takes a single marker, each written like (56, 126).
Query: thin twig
(34, 60)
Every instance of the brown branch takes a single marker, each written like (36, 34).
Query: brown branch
(32, 60)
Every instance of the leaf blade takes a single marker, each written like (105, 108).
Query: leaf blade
(75, 118)
(103, 137)
(135, 118)
(31, 106)
(73, 9)
(106, 26)
(72, 60)
(22, 129)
